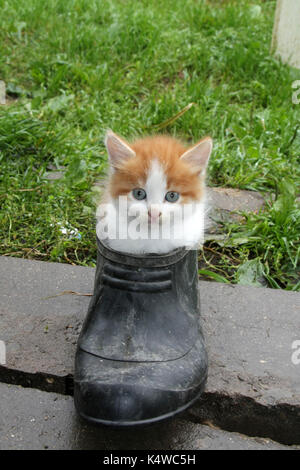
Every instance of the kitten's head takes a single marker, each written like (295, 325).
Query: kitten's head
(157, 175)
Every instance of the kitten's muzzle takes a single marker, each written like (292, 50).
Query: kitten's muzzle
(154, 214)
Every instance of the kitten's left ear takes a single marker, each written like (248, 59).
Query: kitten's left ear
(198, 155)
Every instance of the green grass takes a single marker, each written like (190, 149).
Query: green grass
(75, 68)
(262, 250)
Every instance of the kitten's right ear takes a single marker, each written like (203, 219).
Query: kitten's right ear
(118, 150)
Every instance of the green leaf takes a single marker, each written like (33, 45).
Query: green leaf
(77, 171)
(250, 273)
(58, 102)
(255, 11)
(15, 90)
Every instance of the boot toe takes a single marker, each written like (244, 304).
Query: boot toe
(120, 393)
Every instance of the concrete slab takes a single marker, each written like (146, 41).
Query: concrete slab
(34, 420)
(253, 385)
(232, 199)
(222, 207)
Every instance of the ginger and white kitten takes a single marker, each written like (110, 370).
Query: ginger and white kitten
(154, 199)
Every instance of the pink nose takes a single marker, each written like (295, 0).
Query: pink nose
(154, 213)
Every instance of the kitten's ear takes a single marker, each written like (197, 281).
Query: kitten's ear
(199, 154)
(118, 150)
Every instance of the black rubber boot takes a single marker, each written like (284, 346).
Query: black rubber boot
(140, 355)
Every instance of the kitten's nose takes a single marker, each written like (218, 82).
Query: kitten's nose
(154, 213)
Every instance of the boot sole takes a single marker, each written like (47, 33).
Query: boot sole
(145, 422)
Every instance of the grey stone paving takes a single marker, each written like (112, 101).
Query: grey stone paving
(231, 199)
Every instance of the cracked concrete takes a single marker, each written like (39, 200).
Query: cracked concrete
(31, 419)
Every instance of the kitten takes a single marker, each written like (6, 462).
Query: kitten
(154, 198)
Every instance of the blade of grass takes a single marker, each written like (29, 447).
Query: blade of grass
(213, 275)
(172, 119)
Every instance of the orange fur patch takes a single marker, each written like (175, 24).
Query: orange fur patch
(167, 150)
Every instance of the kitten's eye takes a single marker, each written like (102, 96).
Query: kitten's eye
(172, 196)
(139, 194)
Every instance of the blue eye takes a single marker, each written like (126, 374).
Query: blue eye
(172, 196)
(139, 194)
